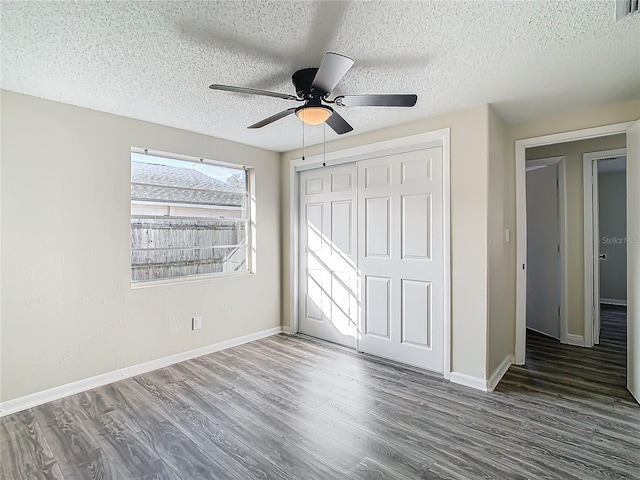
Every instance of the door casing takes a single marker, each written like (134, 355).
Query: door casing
(521, 217)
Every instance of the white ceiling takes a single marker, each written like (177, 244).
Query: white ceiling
(155, 60)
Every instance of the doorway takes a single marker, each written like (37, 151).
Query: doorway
(605, 225)
(631, 133)
(612, 227)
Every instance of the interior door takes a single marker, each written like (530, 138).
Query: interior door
(595, 225)
(400, 257)
(633, 260)
(543, 251)
(328, 274)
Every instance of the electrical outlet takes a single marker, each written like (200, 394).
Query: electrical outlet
(196, 323)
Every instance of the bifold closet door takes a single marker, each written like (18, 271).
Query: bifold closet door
(400, 257)
(328, 274)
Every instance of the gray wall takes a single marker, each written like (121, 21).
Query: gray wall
(612, 191)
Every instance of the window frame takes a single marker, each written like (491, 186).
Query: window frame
(249, 219)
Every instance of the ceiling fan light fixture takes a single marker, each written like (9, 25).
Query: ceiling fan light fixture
(314, 115)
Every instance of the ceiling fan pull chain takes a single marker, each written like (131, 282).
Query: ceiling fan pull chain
(303, 141)
(324, 144)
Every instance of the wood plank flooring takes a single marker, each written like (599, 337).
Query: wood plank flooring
(292, 408)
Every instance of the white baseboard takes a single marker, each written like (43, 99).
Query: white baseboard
(576, 340)
(468, 381)
(613, 301)
(482, 384)
(499, 372)
(38, 398)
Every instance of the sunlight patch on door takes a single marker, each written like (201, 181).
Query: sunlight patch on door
(332, 284)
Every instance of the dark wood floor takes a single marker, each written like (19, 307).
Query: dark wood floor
(290, 408)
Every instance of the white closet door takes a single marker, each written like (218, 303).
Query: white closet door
(328, 273)
(400, 257)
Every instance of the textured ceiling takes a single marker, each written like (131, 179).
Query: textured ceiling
(154, 60)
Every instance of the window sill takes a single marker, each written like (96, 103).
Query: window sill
(190, 279)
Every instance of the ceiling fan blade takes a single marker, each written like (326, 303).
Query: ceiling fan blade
(252, 91)
(273, 118)
(338, 124)
(400, 100)
(331, 71)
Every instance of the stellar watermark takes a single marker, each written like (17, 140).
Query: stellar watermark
(619, 240)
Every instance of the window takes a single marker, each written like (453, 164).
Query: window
(625, 8)
(188, 217)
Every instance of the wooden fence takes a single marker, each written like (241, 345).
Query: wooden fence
(168, 248)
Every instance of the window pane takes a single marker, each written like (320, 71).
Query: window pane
(186, 202)
(169, 248)
(182, 173)
(159, 264)
(187, 218)
(158, 233)
(139, 209)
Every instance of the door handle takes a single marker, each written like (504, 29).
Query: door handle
(603, 256)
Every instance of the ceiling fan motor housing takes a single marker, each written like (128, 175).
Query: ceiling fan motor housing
(302, 81)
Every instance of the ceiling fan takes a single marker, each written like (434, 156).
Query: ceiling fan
(313, 87)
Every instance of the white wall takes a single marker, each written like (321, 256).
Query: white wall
(469, 182)
(68, 310)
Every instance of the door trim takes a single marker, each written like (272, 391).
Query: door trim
(592, 243)
(521, 216)
(437, 138)
(561, 165)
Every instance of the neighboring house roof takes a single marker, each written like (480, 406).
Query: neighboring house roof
(181, 185)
